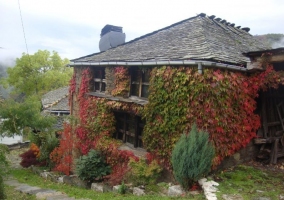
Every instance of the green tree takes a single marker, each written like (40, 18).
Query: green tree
(17, 116)
(38, 73)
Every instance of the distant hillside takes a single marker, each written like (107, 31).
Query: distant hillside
(274, 40)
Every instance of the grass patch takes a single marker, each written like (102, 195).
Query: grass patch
(26, 176)
(250, 183)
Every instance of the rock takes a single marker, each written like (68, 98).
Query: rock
(98, 187)
(209, 188)
(44, 174)
(175, 190)
(75, 180)
(138, 191)
(59, 197)
(262, 198)
(44, 195)
(14, 183)
(115, 188)
(259, 191)
(28, 189)
(232, 197)
(194, 192)
(281, 197)
(60, 179)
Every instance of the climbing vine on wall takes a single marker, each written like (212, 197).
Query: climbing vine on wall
(220, 102)
(122, 80)
(96, 126)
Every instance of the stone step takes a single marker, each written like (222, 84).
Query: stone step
(38, 192)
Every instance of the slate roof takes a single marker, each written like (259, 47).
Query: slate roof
(197, 38)
(259, 53)
(56, 100)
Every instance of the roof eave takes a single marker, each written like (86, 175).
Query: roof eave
(160, 63)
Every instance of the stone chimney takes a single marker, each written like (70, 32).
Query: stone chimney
(111, 36)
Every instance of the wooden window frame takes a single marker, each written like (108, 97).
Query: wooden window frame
(140, 82)
(100, 80)
(123, 132)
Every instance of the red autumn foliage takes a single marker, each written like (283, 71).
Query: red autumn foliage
(62, 156)
(30, 157)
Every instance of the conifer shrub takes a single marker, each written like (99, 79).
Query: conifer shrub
(92, 167)
(192, 157)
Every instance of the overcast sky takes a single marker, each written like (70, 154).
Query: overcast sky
(72, 27)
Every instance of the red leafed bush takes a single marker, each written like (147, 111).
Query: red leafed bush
(118, 174)
(62, 156)
(29, 158)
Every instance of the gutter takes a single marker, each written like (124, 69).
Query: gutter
(200, 63)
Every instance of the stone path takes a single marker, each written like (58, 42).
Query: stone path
(40, 193)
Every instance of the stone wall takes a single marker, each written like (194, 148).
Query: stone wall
(246, 154)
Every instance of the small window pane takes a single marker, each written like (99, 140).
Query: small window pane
(145, 91)
(146, 76)
(103, 87)
(135, 90)
(129, 139)
(135, 75)
(120, 136)
(140, 143)
(98, 74)
(97, 86)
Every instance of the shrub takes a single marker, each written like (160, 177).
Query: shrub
(192, 157)
(61, 156)
(142, 173)
(2, 192)
(122, 188)
(31, 156)
(47, 146)
(3, 161)
(92, 166)
(3, 168)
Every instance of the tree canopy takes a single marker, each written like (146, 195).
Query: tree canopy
(38, 73)
(16, 116)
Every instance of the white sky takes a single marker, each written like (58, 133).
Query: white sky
(72, 27)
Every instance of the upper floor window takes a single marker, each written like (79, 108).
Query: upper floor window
(99, 80)
(140, 82)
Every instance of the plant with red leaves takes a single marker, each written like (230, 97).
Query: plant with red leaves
(30, 157)
(62, 156)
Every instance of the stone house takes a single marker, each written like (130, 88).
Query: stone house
(55, 102)
(201, 43)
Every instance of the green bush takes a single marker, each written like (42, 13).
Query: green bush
(3, 168)
(122, 188)
(192, 157)
(47, 142)
(142, 173)
(2, 192)
(47, 146)
(92, 166)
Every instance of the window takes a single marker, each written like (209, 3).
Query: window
(129, 129)
(99, 80)
(140, 82)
